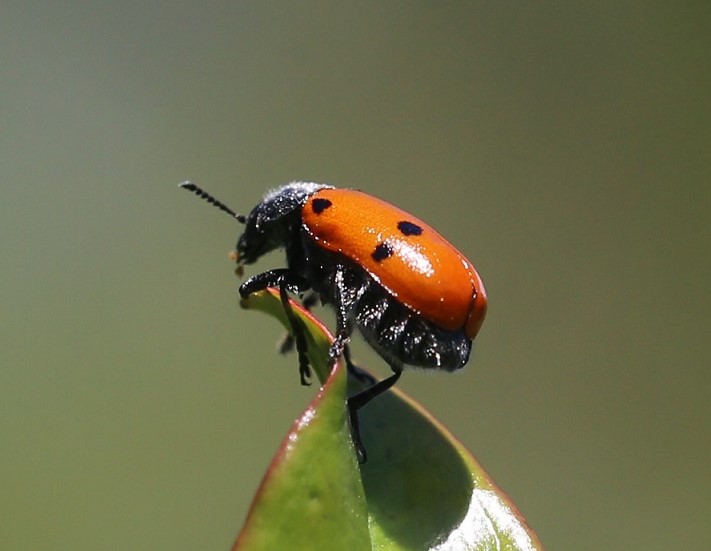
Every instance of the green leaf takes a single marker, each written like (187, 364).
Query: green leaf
(425, 490)
(420, 489)
(312, 496)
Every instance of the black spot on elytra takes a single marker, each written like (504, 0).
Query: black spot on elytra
(409, 228)
(382, 251)
(319, 205)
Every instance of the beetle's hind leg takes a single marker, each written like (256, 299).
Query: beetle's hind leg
(348, 290)
(360, 375)
(358, 401)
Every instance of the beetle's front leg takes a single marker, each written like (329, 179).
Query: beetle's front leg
(274, 278)
(285, 281)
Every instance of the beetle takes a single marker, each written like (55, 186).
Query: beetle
(413, 296)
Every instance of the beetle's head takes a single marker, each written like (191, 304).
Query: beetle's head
(275, 221)
(271, 224)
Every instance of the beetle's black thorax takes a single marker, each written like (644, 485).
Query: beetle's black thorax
(275, 221)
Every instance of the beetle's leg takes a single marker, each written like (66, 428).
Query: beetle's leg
(344, 322)
(357, 401)
(285, 281)
(356, 372)
(273, 278)
(345, 302)
(286, 344)
(309, 301)
(298, 331)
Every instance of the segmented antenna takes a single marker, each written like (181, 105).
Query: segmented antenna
(190, 186)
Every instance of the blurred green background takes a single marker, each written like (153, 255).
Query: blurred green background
(564, 147)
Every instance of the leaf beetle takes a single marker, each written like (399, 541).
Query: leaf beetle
(413, 296)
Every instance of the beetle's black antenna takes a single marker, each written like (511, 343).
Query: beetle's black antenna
(190, 186)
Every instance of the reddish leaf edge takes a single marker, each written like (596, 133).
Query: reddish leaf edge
(283, 453)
